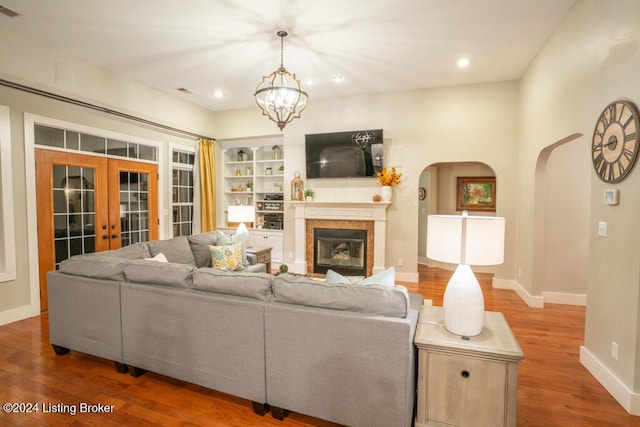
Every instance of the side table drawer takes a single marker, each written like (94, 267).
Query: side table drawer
(264, 258)
(466, 391)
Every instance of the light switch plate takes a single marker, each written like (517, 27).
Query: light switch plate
(611, 197)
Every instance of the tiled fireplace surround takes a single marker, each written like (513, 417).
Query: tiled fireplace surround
(371, 216)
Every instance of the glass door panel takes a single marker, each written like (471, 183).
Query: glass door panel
(71, 190)
(135, 217)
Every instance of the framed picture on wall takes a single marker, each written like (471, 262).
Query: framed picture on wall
(476, 193)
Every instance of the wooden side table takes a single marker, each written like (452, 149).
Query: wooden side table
(466, 382)
(263, 253)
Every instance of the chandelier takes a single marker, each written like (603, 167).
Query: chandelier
(279, 94)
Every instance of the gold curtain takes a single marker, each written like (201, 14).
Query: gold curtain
(207, 184)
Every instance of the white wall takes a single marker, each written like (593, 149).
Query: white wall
(566, 218)
(592, 59)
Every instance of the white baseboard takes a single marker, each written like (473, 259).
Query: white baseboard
(19, 313)
(502, 283)
(565, 298)
(407, 277)
(531, 300)
(629, 400)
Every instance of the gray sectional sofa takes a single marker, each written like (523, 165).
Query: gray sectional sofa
(343, 353)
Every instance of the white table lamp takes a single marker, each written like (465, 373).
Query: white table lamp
(241, 214)
(465, 240)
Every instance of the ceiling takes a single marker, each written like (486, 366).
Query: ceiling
(228, 45)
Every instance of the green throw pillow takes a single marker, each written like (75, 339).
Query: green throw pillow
(225, 240)
(384, 278)
(226, 257)
(336, 278)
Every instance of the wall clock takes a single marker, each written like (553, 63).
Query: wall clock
(422, 193)
(615, 144)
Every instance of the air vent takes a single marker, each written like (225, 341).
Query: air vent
(184, 90)
(10, 13)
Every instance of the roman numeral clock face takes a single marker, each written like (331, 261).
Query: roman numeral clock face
(615, 141)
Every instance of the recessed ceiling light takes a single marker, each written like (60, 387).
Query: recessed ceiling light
(464, 62)
(218, 94)
(337, 79)
(310, 82)
(183, 90)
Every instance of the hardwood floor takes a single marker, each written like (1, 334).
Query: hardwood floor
(553, 387)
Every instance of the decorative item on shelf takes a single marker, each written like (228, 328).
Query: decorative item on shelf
(242, 155)
(465, 240)
(376, 198)
(279, 95)
(277, 152)
(281, 169)
(308, 195)
(237, 189)
(249, 186)
(248, 171)
(241, 214)
(238, 172)
(297, 187)
(388, 177)
(268, 170)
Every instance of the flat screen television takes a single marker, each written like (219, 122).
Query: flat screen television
(354, 154)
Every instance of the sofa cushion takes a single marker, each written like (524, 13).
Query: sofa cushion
(250, 285)
(96, 266)
(200, 247)
(160, 273)
(135, 251)
(370, 299)
(226, 257)
(225, 240)
(176, 250)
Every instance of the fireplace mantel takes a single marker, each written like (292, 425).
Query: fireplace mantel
(354, 211)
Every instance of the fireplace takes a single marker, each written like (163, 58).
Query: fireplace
(341, 250)
(368, 216)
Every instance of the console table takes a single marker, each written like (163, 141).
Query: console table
(263, 253)
(466, 382)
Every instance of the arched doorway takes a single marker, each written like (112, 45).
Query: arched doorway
(440, 182)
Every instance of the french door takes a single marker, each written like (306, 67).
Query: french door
(89, 204)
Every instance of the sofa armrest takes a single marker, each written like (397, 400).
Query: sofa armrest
(252, 258)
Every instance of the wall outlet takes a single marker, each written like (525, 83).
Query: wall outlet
(400, 262)
(290, 255)
(615, 350)
(602, 229)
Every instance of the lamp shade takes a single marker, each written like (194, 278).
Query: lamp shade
(463, 239)
(241, 213)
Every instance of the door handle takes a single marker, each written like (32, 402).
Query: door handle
(114, 235)
(105, 236)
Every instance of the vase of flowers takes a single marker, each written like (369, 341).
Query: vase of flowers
(388, 178)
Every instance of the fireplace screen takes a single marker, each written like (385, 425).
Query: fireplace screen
(343, 251)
